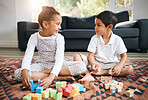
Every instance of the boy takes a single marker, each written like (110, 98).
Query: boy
(104, 47)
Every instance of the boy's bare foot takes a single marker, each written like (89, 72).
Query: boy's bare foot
(87, 78)
(101, 72)
(64, 78)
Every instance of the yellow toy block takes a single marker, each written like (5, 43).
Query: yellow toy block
(39, 95)
(35, 96)
(75, 87)
(129, 93)
(45, 94)
(74, 93)
(63, 84)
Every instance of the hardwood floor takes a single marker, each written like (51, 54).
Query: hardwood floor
(16, 53)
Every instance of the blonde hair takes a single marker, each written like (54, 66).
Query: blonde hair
(46, 14)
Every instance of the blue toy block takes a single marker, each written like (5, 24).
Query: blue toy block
(81, 87)
(34, 86)
(31, 82)
(39, 90)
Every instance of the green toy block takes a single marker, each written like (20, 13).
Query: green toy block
(59, 96)
(27, 97)
(58, 85)
(52, 93)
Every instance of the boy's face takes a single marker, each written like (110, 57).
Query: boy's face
(100, 27)
(54, 25)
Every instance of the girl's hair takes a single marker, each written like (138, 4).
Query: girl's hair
(46, 14)
(107, 17)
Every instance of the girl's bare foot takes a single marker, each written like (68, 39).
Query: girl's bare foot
(87, 78)
(64, 78)
(101, 72)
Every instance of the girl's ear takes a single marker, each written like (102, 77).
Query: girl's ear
(45, 24)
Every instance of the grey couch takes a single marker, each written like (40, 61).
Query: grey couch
(78, 32)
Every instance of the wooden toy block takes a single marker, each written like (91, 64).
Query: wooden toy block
(107, 86)
(59, 90)
(30, 94)
(39, 96)
(59, 96)
(113, 89)
(52, 93)
(27, 97)
(118, 88)
(120, 84)
(63, 84)
(58, 85)
(69, 86)
(34, 96)
(67, 92)
(39, 90)
(34, 86)
(129, 93)
(45, 94)
(48, 89)
(75, 87)
(81, 87)
(74, 93)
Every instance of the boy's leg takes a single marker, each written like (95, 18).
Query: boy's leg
(126, 70)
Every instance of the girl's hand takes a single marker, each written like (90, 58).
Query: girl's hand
(26, 78)
(47, 81)
(116, 70)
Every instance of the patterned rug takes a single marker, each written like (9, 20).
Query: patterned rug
(11, 89)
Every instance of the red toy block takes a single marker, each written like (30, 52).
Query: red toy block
(59, 90)
(67, 92)
(69, 86)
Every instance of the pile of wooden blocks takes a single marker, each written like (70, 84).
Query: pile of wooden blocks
(62, 89)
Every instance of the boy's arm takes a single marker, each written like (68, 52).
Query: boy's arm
(117, 69)
(91, 59)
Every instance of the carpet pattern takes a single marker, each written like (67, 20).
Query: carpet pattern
(11, 89)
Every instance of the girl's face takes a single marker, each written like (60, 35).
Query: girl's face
(54, 25)
(100, 27)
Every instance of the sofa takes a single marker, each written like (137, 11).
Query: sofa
(78, 32)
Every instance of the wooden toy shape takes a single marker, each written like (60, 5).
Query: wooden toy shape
(30, 94)
(59, 90)
(39, 90)
(113, 89)
(118, 88)
(27, 97)
(39, 96)
(34, 86)
(81, 87)
(63, 84)
(45, 94)
(107, 86)
(74, 93)
(59, 96)
(67, 92)
(129, 93)
(75, 87)
(52, 93)
(34, 96)
(69, 86)
(58, 85)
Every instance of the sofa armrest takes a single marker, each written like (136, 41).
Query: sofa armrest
(22, 28)
(143, 28)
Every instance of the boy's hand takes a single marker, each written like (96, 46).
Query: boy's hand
(116, 70)
(95, 67)
(47, 81)
(26, 78)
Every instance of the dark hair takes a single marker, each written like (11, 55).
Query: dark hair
(46, 14)
(107, 17)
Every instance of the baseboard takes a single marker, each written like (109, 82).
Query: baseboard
(9, 44)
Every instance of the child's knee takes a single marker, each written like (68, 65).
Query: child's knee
(130, 69)
(77, 57)
(18, 74)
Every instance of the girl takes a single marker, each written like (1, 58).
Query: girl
(50, 46)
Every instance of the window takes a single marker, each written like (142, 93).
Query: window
(81, 8)
(121, 5)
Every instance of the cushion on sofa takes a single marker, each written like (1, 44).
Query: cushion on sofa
(29, 32)
(129, 24)
(78, 33)
(63, 24)
(122, 16)
(81, 23)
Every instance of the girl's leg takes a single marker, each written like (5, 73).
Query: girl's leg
(88, 77)
(126, 70)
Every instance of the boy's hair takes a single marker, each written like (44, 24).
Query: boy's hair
(107, 17)
(46, 14)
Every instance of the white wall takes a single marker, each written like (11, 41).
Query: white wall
(140, 9)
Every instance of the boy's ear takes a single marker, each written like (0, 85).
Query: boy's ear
(45, 24)
(110, 26)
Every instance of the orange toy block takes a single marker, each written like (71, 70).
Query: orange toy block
(74, 93)
(75, 87)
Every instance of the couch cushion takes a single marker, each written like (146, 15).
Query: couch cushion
(122, 16)
(78, 33)
(81, 23)
(127, 32)
(63, 25)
